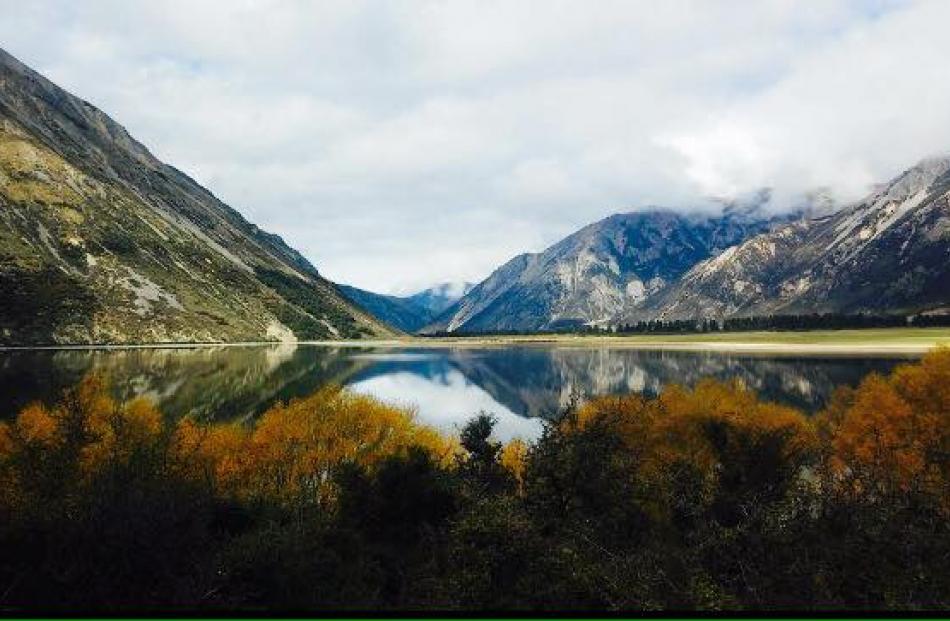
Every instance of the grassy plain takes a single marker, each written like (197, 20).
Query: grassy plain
(879, 340)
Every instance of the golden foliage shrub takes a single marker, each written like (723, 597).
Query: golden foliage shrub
(514, 458)
(286, 456)
(291, 450)
(34, 425)
(685, 418)
(675, 430)
(892, 434)
(888, 435)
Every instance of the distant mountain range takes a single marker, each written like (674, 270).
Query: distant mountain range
(100, 242)
(600, 272)
(889, 253)
(408, 313)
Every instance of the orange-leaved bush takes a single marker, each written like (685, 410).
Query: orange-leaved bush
(702, 429)
(514, 456)
(288, 454)
(892, 434)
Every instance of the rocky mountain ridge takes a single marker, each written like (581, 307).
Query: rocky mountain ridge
(600, 272)
(887, 253)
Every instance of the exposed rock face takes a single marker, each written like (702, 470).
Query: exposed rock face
(100, 242)
(603, 271)
(887, 253)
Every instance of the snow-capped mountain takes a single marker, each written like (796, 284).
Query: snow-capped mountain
(889, 252)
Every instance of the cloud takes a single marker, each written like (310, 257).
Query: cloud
(401, 144)
(848, 114)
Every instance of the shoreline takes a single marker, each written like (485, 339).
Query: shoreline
(872, 341)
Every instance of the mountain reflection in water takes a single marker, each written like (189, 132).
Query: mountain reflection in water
(520, 385)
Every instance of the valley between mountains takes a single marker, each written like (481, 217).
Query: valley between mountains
(102, 243)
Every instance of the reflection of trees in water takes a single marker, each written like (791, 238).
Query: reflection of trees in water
(208, 382)
(235, 382)
(539, 381)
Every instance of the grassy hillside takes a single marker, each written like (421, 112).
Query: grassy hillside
(100, 242)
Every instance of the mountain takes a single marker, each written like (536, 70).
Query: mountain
(409, 313)
(400, 313)
(438, 298)
(888, 253)
(100, 242)
(600, 272)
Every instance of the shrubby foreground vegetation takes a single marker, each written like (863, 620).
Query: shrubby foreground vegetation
(698, 499)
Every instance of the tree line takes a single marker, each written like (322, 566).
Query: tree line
(781, 322)
(812, 321)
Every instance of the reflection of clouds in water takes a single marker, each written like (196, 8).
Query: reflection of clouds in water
(447, 403)
(798, 385)
(636, 379)
(397, 357)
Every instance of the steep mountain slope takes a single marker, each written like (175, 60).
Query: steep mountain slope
(400, 313)
(604, 270)
(102, 242)
(409, 313)
(887, 253)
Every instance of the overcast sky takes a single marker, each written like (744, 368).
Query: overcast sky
(398, 144)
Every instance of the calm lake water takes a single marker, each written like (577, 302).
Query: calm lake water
(520, 385)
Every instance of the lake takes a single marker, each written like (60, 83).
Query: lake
(521, 385)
